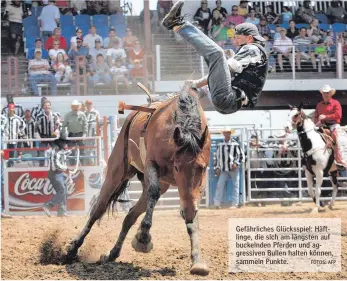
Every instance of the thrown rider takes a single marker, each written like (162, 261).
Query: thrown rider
(235, 82)
(329, 113)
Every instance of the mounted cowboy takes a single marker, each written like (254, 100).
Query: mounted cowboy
(233, 83)
(329, 113)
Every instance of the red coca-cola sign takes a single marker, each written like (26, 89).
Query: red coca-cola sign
(28, 191)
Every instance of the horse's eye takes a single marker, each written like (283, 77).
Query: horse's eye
(176, 168)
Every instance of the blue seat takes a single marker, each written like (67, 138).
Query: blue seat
(66, 20)
(100, 20)
(31, 31)
(30, 42)
(102, 31)
(120, 29)
(36, 12)
(82, 20)
(299, 25)
(285, 25)
(117, 19)
(272, 26)
(324, 26)
(28, 21)
(67, 33)
(85, 29)
(322, 18)
(339, 27)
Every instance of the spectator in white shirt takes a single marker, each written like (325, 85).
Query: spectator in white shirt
(49, 19)
(115, 52)
(55, 51)
(79, 34)
(112, 34)
(89, 39)
(283, 47)
(38, 73)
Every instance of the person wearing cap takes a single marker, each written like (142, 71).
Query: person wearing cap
(75, 125)
(78, 50)
(90, 38)
(16, 127)
(57, 167)
(38, 69)
(329, 113)
(115, 52)
(112, 34)
(233, 83)
(18, 108)
(227, 160)
(38, 46)
(97, 50)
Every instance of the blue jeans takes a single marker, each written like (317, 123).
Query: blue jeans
(222, 182)
(43, 78)
(100, 78)
(57, 180)
(223, 95)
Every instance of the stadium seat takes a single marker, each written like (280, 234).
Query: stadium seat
(117, 19)
(82, 20)
(28, 21)
(84, 27)
(36, 11)
(120, 29)
(100, 20)
(31, 31)
(66, 20)
(102, 31)
(322, 18)
(67, 34)
(30, 42)
(299, 25)
(272, 26)
(324, 26)
(285, 25)
(339, 27)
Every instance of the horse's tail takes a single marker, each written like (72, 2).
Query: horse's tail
(110, 206)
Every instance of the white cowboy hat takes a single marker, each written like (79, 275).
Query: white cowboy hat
(228, 130)
(75, 102)
(327, 89)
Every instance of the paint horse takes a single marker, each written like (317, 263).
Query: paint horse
(177, 149)
(318, 156)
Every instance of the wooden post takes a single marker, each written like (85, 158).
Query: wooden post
(147, 24)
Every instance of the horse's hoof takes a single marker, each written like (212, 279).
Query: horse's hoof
(104, 259)
(331, 207)
(71, 254)
(314, 211)
(141, 247)
(200, 268)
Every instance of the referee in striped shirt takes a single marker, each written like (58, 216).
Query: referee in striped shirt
(228, 159)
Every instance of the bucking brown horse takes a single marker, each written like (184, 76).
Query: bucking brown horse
(177, 142)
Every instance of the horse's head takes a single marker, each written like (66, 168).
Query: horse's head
(192, 139)
(296, 118)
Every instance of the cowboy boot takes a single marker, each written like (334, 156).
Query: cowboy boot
(173, 17)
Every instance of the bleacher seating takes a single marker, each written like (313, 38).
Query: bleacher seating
(299, 25)
(100, 20)
(339, 27)
(31, 31)
(102, 31)
(82, 20)
(67, 33)
(30, 42)
(29, 21)
(324, 26)
(322, 18)
(66, 21)
(117, 19)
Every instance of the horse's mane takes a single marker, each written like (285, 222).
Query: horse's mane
(188, 121)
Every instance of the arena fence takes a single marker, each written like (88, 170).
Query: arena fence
(275, 175)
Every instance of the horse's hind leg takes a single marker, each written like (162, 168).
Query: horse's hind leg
(335, 183)
(107, 191)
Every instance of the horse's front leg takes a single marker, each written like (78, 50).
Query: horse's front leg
(335, 183)
(199, 267)
(142, 240)
(319, 182)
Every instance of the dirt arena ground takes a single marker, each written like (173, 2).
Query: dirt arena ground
(170, 257)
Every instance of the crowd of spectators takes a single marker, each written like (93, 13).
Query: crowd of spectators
(41, 122)
(280, 30)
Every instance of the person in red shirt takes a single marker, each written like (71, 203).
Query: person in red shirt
(136, 54)
(56, 36)
(329, 112)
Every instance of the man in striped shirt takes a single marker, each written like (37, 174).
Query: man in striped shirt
(48, 126)
(229, 157)
(19, 111)
(57, 167)
(15, 127)
(30, 129)
(38, 109)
